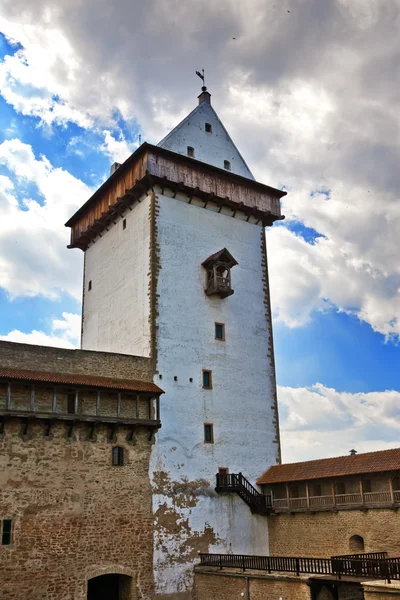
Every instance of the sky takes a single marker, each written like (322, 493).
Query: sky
(310, 92)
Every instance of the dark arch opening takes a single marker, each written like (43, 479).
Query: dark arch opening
(110, 587)
(356, 543)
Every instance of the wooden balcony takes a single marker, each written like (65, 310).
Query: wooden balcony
(32, 399)
(337, 501)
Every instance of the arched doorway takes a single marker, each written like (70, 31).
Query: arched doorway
(110, 587)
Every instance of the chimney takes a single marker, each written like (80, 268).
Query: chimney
(114, 167)
(353, 452)
(204, 96)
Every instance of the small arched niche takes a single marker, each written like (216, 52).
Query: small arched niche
(356, 543)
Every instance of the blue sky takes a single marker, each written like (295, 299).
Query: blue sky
(71, 103)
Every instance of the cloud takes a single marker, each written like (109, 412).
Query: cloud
(319, 422)
(65, 333)
(34, 259)
(308, 95)
(117, 149)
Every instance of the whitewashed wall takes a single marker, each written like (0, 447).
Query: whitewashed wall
(239, 405)
(116, 310)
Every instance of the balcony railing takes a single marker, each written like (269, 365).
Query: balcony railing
(361, 566)
(384, 498)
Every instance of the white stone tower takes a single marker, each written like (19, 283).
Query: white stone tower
(176, 269)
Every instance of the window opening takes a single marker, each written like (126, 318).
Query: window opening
(219, 331)
(294, 491)
(317, 491)
(366, 486)
(208, 433)
(227, 165)
(124, 224)
(207, 379)
(340, 488)
(190, 151)
(90, 285)
(70, 404)
(6, 532)
(118, 456)
(208, 128)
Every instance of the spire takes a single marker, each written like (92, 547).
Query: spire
(201, 135)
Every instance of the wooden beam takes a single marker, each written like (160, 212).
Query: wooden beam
(391, 488)
(76, 402)
(8, 397)
(32, 402)
(97, 402)
(158, 408)
(137, 406)
(54, 402)
(119, 405)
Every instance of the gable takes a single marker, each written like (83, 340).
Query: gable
(213, 148)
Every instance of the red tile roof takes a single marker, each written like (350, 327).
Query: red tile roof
(369, 462)
(79, 380)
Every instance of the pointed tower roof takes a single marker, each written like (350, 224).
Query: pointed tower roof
(202, 135)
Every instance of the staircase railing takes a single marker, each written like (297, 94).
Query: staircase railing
(237, 483)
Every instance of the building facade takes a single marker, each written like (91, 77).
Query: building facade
(176, 270)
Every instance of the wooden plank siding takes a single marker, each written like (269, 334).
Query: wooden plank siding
(150, 165)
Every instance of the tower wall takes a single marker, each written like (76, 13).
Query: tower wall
(190, 517)
(116, 310)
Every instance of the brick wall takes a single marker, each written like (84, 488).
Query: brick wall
(212, 585)
(325, 534)
(87, 362)
(74, 515)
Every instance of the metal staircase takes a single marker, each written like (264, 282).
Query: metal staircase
(236, 483)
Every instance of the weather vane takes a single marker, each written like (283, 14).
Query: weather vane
(202, 77)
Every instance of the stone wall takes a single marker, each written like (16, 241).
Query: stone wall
(75, 516)
(214, 585)
(381, 590)
(325, 534)
(84, 362)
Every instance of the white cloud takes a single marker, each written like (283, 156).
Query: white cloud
(34, 258)
(65, 333)
(319, 422)
(117, 149)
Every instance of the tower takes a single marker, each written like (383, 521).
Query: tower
(176, 270)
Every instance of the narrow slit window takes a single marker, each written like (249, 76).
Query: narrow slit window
(124, 224)
(6, 532)
(208, 128)
(227, 165)
(208, 433)
(90, 285)
(190, 151)
(207, 380)
(118, 456)
(220, 331)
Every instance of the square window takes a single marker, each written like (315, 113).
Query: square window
(6, 532)
(190, 151)
(208, 127)
(340, 488)
(220, 331)
(207, 380)
(208, 433)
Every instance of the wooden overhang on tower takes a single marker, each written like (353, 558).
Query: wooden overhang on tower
(218, 267)
(152, 165)
(52, 397)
